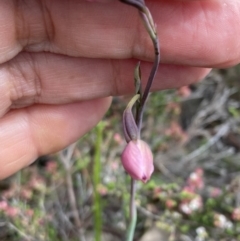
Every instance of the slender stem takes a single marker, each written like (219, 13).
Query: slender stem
(133, 213)
(153, 71)
(66, 159)
(96, 181)
(149, 83)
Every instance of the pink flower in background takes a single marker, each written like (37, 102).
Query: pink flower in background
(51, 166)
(215, 192)
(114, 165)
(195, 180)
(29, 212)
(3, 205)
(176, 131)
(102, 190)
(170, 203)
(37, 183)
(156, 192)
(173, 107)
(26, 193)
(8, 210)
(184, 91)
(12, 211)
(118, 139)
(137, 160)
(236, 214)
(188, 190)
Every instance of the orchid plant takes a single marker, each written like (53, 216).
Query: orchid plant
(137, 158)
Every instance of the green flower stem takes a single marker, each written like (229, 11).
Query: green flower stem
(97, 207)
(133, 213)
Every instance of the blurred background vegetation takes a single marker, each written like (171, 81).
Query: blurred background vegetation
(82, 193)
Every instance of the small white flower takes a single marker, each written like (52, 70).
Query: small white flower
(202, 234)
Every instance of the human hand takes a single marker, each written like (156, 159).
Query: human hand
(61, 60)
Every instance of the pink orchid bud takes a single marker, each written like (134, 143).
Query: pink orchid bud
(137, 160)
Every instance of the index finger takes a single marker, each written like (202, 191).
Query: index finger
(194, 33)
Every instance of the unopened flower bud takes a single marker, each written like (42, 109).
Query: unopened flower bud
(129, 125)
(137, 160)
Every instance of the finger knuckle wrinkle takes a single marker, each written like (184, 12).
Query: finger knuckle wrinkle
(25, 82)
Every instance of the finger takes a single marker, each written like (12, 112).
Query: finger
(53, 79)
(38, 130)
(195, 33)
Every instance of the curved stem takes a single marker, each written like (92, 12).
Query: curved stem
(149, 83)
(153, 71)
